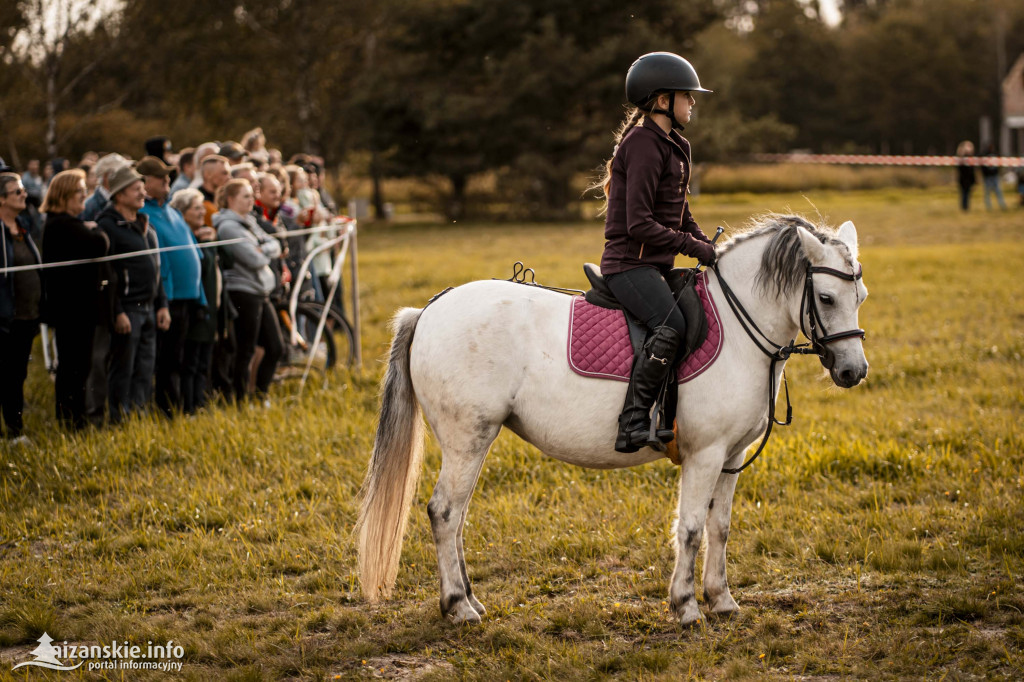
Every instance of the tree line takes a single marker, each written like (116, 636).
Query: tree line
(525, 90)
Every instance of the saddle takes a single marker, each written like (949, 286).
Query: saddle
(597, 347)
(679, 280)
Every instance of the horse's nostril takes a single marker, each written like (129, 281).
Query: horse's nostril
(847, 376)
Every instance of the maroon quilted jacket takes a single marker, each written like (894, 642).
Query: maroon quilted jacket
(649, 220)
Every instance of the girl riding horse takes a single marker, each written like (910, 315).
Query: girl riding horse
(647, 223)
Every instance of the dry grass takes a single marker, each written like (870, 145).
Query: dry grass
(801, 177)
(879, 537)
(420, 200)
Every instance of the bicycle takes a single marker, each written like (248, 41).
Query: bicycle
(318, 337)
(336, 346)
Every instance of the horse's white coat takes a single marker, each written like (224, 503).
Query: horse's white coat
(493, 353)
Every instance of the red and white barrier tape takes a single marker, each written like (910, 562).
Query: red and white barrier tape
(890, 160)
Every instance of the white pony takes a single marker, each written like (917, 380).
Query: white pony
(453, 360)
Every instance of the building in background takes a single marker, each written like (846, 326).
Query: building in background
(1013, 106)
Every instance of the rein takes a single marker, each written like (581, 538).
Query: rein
(779, 353)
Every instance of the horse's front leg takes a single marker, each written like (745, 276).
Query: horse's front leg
(716, 585)
(696, 484)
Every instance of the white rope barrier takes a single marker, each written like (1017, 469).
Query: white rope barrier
(284, 234)
(346, 240)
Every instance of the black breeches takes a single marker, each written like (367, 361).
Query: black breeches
(646, 295)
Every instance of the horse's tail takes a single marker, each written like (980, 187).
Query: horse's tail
(394, 469)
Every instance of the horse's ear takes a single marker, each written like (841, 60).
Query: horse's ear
(813, 247)
(848, 235)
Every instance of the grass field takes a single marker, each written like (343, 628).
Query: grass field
(415, 198)
(879, 537)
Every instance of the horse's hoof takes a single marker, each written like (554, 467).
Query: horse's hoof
(462, 612)
(689, 614)
(725, 607)
(477, 606)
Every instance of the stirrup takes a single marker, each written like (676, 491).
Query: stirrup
(627, 442)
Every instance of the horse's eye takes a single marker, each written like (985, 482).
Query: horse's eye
(825, 298)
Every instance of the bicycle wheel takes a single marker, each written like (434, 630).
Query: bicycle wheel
(302, 352)
(344, 337)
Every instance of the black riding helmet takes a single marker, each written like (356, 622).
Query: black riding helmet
(659, 72)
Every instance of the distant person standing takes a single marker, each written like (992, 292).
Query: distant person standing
(249, 282)
(47, 175)
(965, 173)
(215, 174)
(104, 170)
(255, 143)
(180, 274)
(233, 152)
(72, 292)
(269, 207)
(991, 180)
(56, 165)
(202, 330)
(140, 307)
(33, 181)
(186, 171)
(159, 147)
(96, 385)
(275, 190)
(20, 302)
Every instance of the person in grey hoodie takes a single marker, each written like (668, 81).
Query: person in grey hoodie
(249, 280)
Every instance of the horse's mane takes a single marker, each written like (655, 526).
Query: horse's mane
(783, 263)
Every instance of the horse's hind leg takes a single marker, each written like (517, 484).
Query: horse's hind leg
(473, 601)
(463, 454)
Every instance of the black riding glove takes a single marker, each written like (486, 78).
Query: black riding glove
(704, 253)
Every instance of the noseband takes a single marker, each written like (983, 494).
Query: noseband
(819, 336)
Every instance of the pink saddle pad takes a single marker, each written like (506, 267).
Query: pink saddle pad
(599, 340)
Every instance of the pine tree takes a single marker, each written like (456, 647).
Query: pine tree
(45, 652)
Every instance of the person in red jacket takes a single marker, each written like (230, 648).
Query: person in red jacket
(648, 222)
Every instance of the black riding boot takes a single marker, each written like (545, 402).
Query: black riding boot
(644, 385)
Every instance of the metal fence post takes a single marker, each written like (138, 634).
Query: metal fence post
(354, 277)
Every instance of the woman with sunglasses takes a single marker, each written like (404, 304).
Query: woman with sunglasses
(20, 298)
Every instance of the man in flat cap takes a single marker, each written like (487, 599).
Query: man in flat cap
(139, 305)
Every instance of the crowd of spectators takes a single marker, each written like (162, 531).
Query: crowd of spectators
(179, 324)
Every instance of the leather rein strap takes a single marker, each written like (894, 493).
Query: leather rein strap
(779, 353)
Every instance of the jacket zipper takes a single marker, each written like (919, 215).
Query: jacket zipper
(127, 281)
(641, 256)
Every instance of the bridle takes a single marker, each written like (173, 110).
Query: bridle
(819, 342)
(809, 305)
